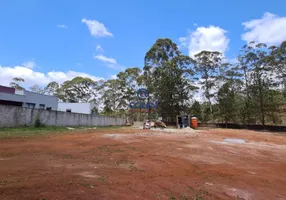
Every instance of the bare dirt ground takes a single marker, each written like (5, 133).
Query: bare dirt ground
(129, 163)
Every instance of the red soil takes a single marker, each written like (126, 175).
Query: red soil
(135, 164)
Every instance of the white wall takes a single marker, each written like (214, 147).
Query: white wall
(84, 108)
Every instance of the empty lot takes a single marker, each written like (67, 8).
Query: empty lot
(129, 163)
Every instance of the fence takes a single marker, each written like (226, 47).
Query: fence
(13, 116)
(245, 126)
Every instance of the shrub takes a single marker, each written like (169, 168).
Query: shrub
(38, 122)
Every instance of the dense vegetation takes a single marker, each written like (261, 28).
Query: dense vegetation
(250, 91)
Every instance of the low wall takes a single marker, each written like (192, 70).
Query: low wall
(13, 116)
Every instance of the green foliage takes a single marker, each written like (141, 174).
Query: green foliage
(37, 89)
(38, 122)
(196, 110)
(16, 83)
(167, 75)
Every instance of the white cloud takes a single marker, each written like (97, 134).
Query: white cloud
(116, 66)
(210, 38)
(33, 77)
(105, 59)
(113, 76)
(62, 26)
(96, 28)
(110, 62)
(99, 48)
(29, 64)
(270, 29)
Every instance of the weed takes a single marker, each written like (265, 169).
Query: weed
(191, 188)
(67, 156)
(130, 147)
(101, 179)
(172, 197)
(201, 191)
(198, 197)
(184, 197)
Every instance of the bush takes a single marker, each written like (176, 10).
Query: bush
(38, 122)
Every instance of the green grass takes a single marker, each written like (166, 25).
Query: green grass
(45, 130)
(30, 131)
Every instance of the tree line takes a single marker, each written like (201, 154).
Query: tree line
(251, 90)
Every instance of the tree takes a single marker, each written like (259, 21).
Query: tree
(277, 59)
(79, 89)
(128, 85)
(259, 71)
(36, 88)
(111, 97)
(52, 89)
(207, 66)
(196, 110)
(166, 75)
(226, 102)
(16, 83)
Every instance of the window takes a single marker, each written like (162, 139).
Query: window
(30, 105)
(49, 108)
(42, 106)
(68, 110)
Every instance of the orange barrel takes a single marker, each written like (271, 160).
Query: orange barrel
(194, 122)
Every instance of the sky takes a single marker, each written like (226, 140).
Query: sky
(50, 40)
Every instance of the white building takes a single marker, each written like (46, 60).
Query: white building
(27, 99)
(84, 108)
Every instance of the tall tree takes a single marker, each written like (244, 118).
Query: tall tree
(79, 89)
(52, 89)
(207, 66)
(259, 80)
(277, 59)
(166, 75)
(16, 83)
(36, 88)
(196, 110)
(111, 97)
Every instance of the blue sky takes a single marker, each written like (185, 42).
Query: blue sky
(43, 41)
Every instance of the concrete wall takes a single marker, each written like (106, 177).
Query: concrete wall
(13, 116)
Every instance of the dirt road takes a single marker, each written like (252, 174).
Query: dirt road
(141, 164)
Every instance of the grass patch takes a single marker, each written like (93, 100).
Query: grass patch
(30, 131)
(131, 147)
(102, 179)
(110, 149)
(45, 130)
